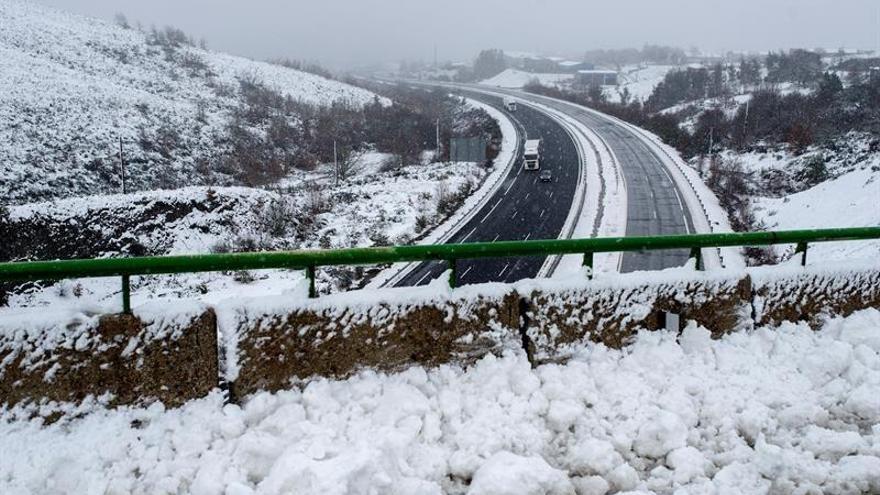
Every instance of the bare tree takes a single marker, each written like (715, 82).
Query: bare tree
(347, 160)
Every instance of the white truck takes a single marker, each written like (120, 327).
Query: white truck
(510, 104)
(532, 154)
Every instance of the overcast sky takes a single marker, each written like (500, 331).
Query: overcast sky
(344, 33)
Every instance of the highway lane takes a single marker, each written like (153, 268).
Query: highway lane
(523, 208)
(654, 203)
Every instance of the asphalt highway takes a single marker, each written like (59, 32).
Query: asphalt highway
(654, 203)
(523, 208)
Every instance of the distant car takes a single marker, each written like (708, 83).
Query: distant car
(546, 176)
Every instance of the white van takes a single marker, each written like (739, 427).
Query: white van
(510, 105)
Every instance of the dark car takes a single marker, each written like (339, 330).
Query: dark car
(546, 176)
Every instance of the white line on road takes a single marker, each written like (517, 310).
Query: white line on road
(424, 277)
(551, 194)
(496, 237)
(514, 214)
(490, 211)
(469, 234)
(527, 195)
(503, 270)
(527, 236)
(508, 188)
(542, 214)
(465, 272)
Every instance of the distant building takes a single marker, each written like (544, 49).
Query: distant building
(571, 66)
(593, 77)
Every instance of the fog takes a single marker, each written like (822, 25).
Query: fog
(351, 33)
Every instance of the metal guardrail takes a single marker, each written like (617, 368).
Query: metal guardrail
(309, 260)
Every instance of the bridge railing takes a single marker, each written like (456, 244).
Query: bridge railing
(309, 260)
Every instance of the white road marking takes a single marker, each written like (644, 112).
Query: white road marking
(527, 195)
(542, 214)
(527, 236)
(508, 188)
(469, 234)
(423, 277)
(490, 211)
(551, 194)
(465, 272)
(496, 237)
(503, 270)
(514, 215)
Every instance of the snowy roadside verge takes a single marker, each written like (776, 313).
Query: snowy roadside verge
(669, 413)
(504, 162)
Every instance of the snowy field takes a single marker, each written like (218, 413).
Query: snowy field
(850, 200)
(639, 80)
(515, 79)
(782, 410)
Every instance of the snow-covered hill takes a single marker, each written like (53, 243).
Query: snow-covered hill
(72, 86)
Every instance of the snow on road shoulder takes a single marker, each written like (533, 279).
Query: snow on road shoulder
(784, 407)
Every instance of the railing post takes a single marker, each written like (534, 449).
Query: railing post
(697, 255)
(802, 250)
(126, 294)
(588, 262)
(310, 274)
(453, 272)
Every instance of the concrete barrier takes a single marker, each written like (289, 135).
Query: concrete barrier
(159, 353)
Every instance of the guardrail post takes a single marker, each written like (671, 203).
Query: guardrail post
(802, 250)
(453, 272)
(310, 274)
(588, 262)
(126, 294)
(697, 255)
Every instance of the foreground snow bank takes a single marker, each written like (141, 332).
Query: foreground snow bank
(783, 410)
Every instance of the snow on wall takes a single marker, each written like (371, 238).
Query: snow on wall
(66, 354)
(786, 409)
(270, 343)
(791, 293)
(612, 310)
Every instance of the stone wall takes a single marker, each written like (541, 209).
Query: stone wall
(171, 353)
(135, 358)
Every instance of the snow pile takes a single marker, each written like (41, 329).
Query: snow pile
(71, 87)
(513, 78)
(785, 410)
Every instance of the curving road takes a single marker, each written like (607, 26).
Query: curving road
(523, 208)
(654, 203)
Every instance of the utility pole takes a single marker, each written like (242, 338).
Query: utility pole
(122, 166)
(438, 140)
(711, 139)
(335, 164)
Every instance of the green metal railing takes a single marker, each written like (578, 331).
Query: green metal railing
(309, 260)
